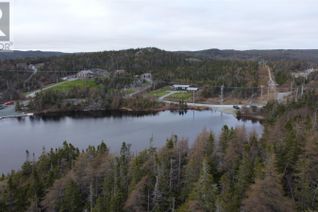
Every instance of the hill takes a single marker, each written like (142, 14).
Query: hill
(28, 54)
(310, 55)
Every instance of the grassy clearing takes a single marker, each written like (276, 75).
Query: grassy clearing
(182, 95)
(76, 84)
(159, 92)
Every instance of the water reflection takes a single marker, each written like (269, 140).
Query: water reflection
(89, 114)
(83, 129)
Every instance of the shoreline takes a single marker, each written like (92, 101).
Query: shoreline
(168, 106)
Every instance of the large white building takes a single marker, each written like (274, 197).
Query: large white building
(85, 74)
(92, 73)
(178, 87)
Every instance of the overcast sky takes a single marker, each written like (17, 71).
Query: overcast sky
(95, 25)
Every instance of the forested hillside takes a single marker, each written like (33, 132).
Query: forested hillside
(27, 54)
(166, 68)
(308, 55)
(233, 172)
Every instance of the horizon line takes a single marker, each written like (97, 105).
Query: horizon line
(124, 49)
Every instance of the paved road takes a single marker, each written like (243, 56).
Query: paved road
(33, 93)
(271, 83)
(140, 90)
(280, 96)
(223, 108)
(35, 70)
(212, 106)
(161, 99)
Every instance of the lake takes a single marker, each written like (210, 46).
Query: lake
(34, 133)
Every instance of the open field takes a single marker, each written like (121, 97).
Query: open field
(159, 92)
(178, 96)
(78, 84)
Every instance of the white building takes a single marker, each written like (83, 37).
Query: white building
(85, 74)
(184, 88)
(180, 87)
(192, 89)
(119, 72)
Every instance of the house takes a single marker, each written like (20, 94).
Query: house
(119, 72)
(184, 88)
(91, 73)
(85, 74)
(70, 77)
(31, 67)
(101, 72)
(146, 77)
(303, 74)
(192, 89)
(180, 87)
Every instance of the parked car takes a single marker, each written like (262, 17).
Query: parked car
(254, 108)
(236, 107)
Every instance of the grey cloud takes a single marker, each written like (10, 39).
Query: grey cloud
(80, 25)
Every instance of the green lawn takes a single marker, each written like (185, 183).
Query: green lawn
(159, 92)
(69, 85)
(182, 95)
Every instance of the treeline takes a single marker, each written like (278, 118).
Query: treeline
(108, 94)
(233, 172)
(95, 100)
(173, 177)
(14, 80)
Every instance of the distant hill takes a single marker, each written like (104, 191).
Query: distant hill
(28, 54)
(272, 55)
(310, 55)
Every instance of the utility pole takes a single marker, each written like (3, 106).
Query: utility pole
(302, 90)
(91, 196)
(173, 205)
(262, 86)
(170, 175)
(291, 86)
(296, 95)
(315, 119)
(222, 95)
(148, 202)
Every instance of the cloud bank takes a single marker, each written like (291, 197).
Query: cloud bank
(96, 25)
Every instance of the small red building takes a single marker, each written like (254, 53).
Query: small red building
(8, 103)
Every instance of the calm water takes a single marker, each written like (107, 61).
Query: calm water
(17, 136)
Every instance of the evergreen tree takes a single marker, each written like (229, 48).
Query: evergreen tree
(205, 190)
(71, 200)
(306, 176)
(267, 194)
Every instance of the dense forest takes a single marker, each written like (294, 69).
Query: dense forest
(235, 171)
(307, 55)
